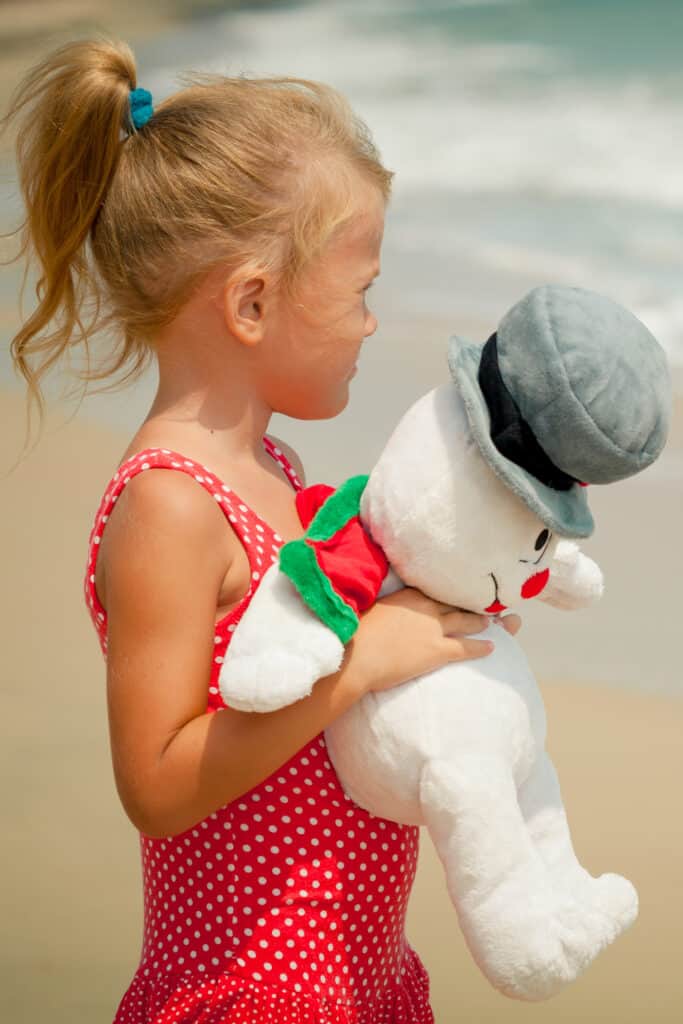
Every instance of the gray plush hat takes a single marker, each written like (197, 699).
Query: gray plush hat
(571, 390)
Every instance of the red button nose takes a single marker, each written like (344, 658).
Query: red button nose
(535, 584)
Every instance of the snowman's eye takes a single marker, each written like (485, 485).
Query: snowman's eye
(541, 540)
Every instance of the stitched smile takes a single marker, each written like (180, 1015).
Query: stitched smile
(496, 606)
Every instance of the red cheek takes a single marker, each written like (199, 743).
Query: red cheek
(535, 584)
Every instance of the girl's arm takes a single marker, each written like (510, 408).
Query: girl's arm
(166, 550)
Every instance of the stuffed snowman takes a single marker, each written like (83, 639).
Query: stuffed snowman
(477, 500)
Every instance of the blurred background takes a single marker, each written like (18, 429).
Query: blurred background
(533, 141)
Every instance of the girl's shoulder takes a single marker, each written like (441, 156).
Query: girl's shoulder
(158, 514)
(167, 497)
(159, 520)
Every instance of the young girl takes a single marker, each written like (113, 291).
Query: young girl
(231, 235)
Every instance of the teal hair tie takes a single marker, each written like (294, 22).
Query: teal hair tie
(141, 108)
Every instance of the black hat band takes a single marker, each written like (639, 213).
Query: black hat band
(510, 433)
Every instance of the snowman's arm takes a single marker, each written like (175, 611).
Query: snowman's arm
(298, 621)
(279, 650)
(575, 581)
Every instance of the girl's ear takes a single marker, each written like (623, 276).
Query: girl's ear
(244, 301)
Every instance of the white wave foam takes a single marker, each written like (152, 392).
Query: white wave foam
(495, 117)
(511, 122)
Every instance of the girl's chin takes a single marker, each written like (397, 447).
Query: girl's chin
(320, 411)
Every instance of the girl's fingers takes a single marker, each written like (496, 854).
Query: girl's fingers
(463, 648)
(456, 622)
(511, 623)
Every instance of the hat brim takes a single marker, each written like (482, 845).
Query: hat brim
(564, 512)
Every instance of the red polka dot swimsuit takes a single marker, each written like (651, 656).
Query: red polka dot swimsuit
(288, 904)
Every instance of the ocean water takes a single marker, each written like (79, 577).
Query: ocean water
(532, 140)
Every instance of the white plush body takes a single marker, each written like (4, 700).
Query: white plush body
(462, 749)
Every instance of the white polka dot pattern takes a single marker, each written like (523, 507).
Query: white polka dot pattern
(287, 905)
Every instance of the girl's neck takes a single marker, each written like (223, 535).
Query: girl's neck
(201, 422)
(205, 397)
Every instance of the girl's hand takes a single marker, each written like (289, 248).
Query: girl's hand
(510, 623)
(408, 634)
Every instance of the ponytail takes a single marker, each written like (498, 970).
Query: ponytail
(73, 111)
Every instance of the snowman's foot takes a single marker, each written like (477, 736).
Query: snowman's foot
(611, 895)
(532, 941)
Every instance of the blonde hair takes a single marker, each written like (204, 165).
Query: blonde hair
(124, 223)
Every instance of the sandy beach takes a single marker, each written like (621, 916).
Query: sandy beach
(72, 927)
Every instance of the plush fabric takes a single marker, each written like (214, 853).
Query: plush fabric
(336, 567)
(300, 565)
(510, 433)
(564, 511)
(588, 360)
(573, 363)
(309, 500)
(461, 750)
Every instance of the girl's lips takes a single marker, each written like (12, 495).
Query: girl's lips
(496, 607)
